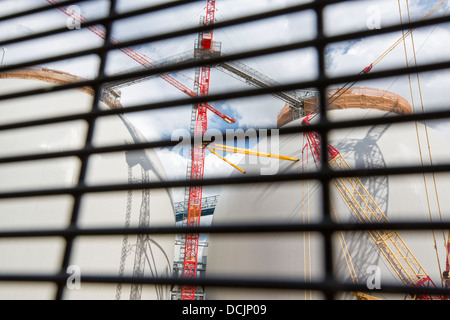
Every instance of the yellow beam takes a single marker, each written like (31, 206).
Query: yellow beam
(250, 152)
(231, 164)
(389, 242)
(364, 296)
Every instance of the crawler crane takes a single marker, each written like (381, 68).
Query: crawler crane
(366, 210)
(352, 190)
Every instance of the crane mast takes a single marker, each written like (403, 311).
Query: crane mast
(204, 46)
(204, 49)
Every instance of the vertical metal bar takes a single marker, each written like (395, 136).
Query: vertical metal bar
(83, 158)
(325, 183)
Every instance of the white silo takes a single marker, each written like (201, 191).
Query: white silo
(299, 256)
(113, 255)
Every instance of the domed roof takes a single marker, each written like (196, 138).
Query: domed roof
(355, 97)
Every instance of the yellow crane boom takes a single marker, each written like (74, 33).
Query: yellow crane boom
(366, 210)
(391, 245)
(213, 147)
(250, 152)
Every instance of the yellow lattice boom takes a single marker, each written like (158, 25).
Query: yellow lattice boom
(391, 245)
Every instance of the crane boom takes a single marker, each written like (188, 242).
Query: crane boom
(236, 69)
(130, 52)
(140, 58)
(367, 69)
(245, 73)
(366, 210)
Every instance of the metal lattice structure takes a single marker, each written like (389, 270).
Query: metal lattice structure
(346, 180)
(363, 206)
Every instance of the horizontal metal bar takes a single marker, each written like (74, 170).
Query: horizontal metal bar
(235, 282)
(227, 229)
(168, 35)
(214, 97)
(323, 175)
(330, 284)
(231, 57)
(86, 151)
(342, 124)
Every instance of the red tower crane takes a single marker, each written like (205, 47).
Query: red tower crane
(204, 47)
(139, 57)
(408, 268)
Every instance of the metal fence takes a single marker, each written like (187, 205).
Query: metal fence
(331, 286)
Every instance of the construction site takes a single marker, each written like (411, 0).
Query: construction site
(81, 181)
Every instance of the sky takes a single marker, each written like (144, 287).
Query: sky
(432, 44)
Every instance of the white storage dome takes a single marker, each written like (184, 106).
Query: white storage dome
(299, 256)
(111, 255)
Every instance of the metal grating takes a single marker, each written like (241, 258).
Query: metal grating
(331, 286)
